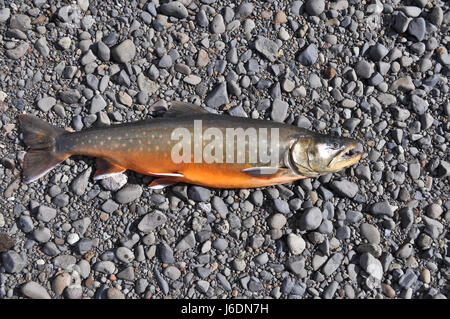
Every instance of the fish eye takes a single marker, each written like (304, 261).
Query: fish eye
(336, 145)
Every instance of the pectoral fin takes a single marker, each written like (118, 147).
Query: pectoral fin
(106, 169)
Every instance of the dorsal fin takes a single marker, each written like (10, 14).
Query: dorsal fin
(183, 109)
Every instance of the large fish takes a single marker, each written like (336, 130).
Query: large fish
(157, 147)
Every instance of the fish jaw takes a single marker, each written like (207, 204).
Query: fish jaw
(343, 159)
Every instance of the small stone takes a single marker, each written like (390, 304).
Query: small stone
(311, 219)
(378, 52)
(124, 52)
(34, 290)
(45, 213)
(129, 193)
(124, 255)
(279, 110)
(425, 276)
(345, 188)
(103, 51)
(218, 96)
(434, 211)
(80, 183)
(174, 9)
(308, 56)
(114, 293)
(405, 251)
(61, 282)
(125, 99)
(417, 28)
(332, 264)
(19, 51)
(371, 265)
(364, 69)
(12, 262)
(407, 279)
(97, 104)
(45, 104)
(4, 15)
(202, 58)
(151, 221)
(381, 208)
(217, 25)
(371, 233)
(295, 243)
(21, 22)
(42, 47)
(42, 234)
(172, 273)
(267, 48)
(277, 221)
(315, 7)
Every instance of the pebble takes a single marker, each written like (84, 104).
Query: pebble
(381, 208)
(311, 219)
(45, 213)
(279, 110)
(124, 52)
(5, 13)
(345, 188)
(364, 69)
(277, 221)
(309, 55)
(295, 243)
(18, 52)
(371, 265)
(267, 47)
(129, 193)
(34, 290)
(218, 96)
(370, 232)
(12, 262)
(174, 9)
(332, 264)
(151, 221)
(417, 28)
(315, 7)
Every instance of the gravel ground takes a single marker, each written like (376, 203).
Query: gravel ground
(373, 70)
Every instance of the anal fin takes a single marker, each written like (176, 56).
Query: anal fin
(106, 169)
(160, 183)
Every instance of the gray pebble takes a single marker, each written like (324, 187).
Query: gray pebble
(267, 48)
(34, 290)
(151, 221)
(315, 7)
(371, 265)
(45, 213)
(129, 193)
(311, 219)
(381, 208)
(370, 232)
(124, 52)
(12, 262)
(279, 110)
(199, 194)
(309, 55)
(218, 96)
(174, 9)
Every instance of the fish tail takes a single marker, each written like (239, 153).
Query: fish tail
(41, 138)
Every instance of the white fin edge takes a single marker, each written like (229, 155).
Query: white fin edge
(103, 176)
(161, 186)
(167, 174)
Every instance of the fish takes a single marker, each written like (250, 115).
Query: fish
(221, 151)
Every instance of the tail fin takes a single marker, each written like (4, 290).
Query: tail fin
(41, 138)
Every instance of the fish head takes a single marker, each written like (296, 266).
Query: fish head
(317, 155)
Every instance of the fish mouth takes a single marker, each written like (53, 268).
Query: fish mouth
(348, 156)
